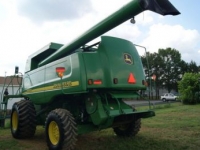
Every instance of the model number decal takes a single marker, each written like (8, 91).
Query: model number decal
(66, 84)
(52, 87)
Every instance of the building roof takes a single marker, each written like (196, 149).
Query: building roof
(10, 80)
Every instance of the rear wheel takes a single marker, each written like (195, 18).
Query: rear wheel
(60, 130)
(128, 130)
(23, 119)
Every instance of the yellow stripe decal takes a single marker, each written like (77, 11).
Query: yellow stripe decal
(66, 84)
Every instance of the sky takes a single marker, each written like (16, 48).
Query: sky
(27, 26)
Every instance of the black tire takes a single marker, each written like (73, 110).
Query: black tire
(164, 100)
(23, 119)
(128, 130)
(60, 130)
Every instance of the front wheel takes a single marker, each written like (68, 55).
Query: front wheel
(128, 130)
(23, 119)
(60, 130)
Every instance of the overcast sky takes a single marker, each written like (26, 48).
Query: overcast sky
(26, 26)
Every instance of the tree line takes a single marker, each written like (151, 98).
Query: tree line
(165, 69)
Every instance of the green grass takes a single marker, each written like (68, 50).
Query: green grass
(175, 127)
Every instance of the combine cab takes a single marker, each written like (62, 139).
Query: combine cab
(75, 88)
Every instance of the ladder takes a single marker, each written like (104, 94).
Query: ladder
(9, 83)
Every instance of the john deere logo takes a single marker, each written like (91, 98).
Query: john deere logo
(128, 59)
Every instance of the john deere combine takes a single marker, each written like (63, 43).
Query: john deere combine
(75, 88)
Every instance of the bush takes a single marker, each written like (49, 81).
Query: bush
(189, 88)
(7, 123)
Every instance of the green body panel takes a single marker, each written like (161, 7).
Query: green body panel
(43, 84)
(108, 63)
(99, 116)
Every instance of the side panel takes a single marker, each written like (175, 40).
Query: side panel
(73, 80)
(94, 68)
(76, 82)
(33, 84)
(43, 84)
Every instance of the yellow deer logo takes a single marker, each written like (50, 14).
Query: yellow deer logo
(128, 59)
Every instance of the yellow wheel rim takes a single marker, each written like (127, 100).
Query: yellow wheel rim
(54, 134)
(14, 120)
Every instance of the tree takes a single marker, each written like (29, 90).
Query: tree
(192, 67)
(168, 68)
(171, 68)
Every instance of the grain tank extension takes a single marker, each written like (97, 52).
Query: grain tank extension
(77, 88)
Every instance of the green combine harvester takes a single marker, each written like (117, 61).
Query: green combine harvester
(77, 88)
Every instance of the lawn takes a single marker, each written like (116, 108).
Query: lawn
(175, 127)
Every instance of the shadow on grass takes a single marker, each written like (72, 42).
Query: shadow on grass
(107, 140)
(103, 140)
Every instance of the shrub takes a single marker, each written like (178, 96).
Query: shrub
(189, 88)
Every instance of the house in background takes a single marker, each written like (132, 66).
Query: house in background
(13, 84)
